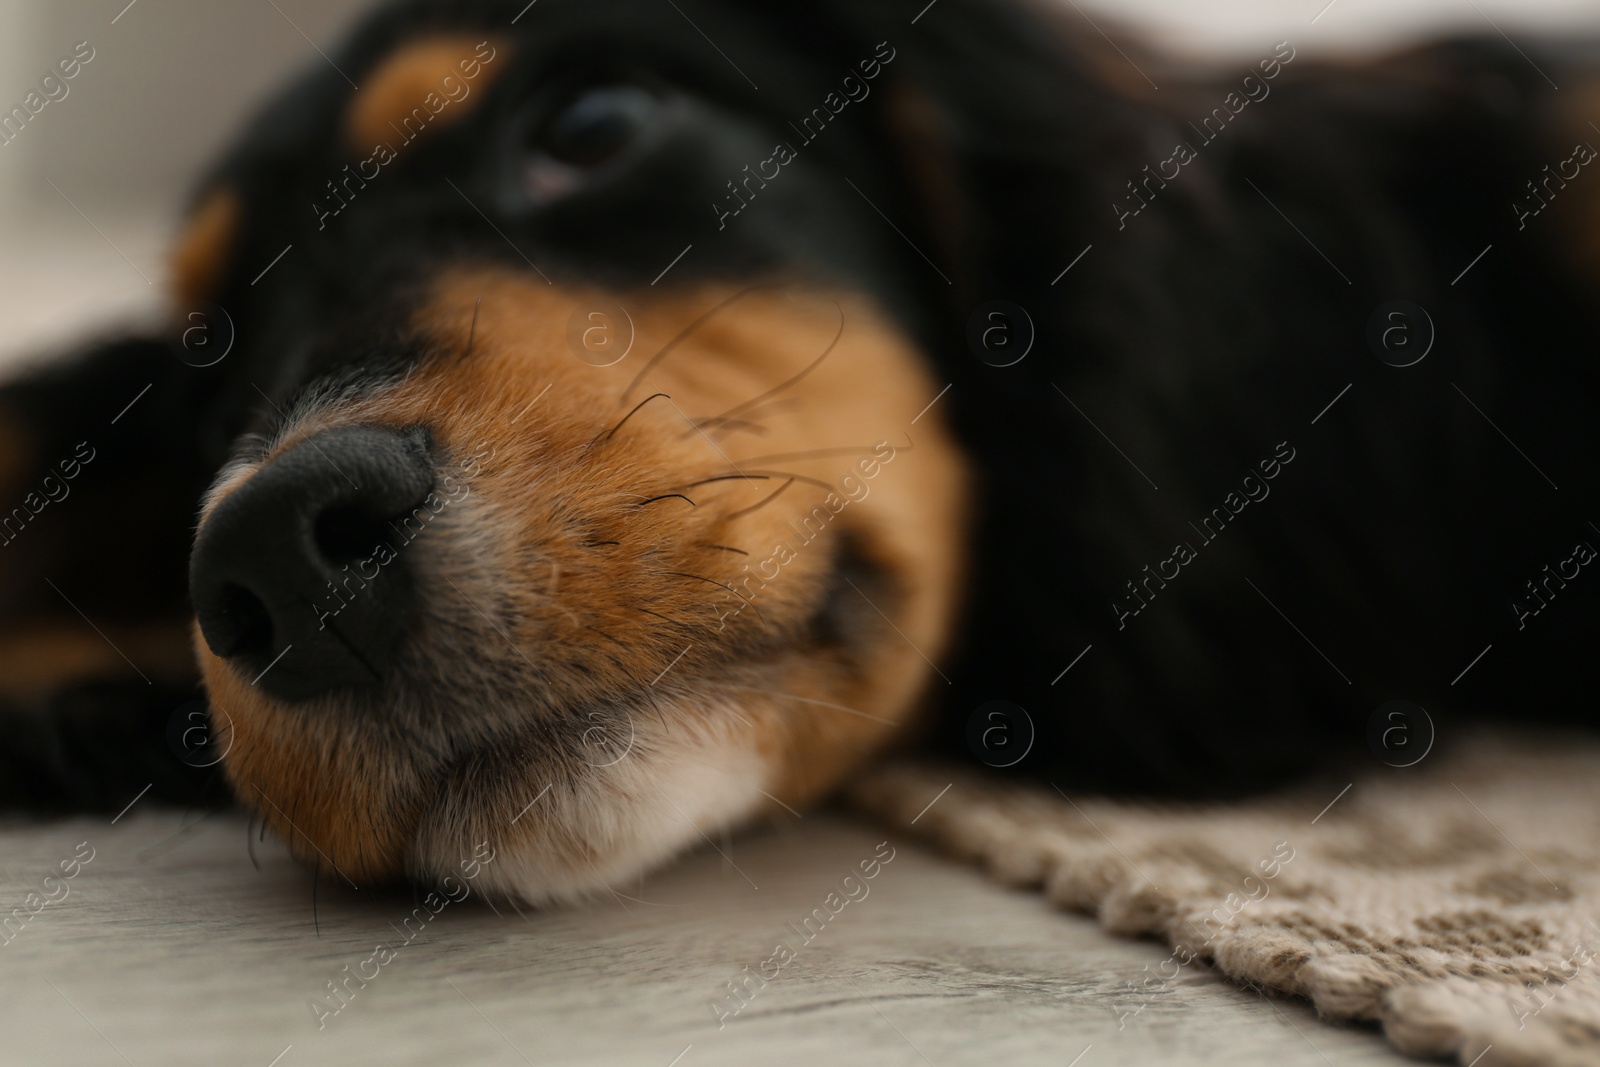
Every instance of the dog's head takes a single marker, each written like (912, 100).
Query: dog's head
(586, 492)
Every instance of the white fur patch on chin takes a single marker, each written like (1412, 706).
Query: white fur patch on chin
(670, 793)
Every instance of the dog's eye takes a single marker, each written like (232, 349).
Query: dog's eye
(583, 139)
(598, 125)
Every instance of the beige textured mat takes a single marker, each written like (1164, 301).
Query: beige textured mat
(1455, 902)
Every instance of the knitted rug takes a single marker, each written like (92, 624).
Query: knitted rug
(1455, 902)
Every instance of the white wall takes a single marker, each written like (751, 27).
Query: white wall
(169, 79)
(16, 36)
(1228, 26)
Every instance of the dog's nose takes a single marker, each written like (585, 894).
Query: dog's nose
(300, 576)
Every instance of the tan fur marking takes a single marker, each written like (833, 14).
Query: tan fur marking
(341, 803)
(17, 457)
(1574, 215)
(45, 659)
(446, 72)
(200, 257)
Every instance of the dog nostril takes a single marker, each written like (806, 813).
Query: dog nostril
(276, 574)
(248, 624)
(347, 534)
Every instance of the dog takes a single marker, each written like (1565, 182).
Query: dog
(586, 426)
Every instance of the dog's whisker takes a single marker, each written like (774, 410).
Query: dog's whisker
(684, 335)
(790, 383)
(727, 425)
(816, 453)
(766, 410)
(813, 700)
(650, 695)
(512, 900)
(720, 585)
(728, 478)
(666, 618)
(249, 839)
(769, 498)
(472, 330)
(613, 431)
(805, 478)
(608, 637)
(670, 496)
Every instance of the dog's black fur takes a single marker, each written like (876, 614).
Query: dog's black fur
(1190, 344)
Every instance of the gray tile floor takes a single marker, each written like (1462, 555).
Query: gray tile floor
(171, 948)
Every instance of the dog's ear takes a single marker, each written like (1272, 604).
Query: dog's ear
(993, 118)
(100, 478)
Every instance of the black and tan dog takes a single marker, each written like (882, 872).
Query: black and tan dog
(588, 425)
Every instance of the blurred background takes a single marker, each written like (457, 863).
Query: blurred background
(90, 191)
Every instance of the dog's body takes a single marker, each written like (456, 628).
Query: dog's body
(984, 371)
